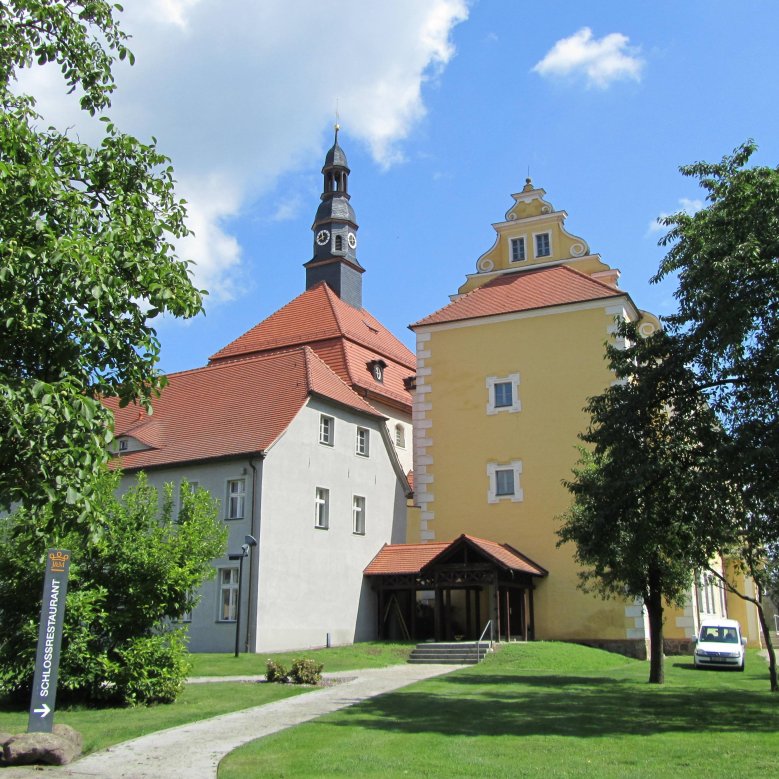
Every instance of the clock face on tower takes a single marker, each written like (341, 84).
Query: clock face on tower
(322, 237)
(352, 239)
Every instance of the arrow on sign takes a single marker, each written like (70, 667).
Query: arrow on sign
(43, 711)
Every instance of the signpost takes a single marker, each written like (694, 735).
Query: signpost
(44, 691)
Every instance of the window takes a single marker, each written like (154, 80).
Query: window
(326, 430)
(124, 444)
(363, 442)
(400, 436)
(504, 482)
(503, 393)
(518, 250)
(322, 508)
(543, 245)
(358, 515)
(228, 594)
(236, 495)
(339, 243)
(185, 488)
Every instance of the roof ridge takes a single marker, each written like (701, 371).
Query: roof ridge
(330, 299)
(311, 355)
(591, 278)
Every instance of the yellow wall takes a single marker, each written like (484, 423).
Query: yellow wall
(561, 362)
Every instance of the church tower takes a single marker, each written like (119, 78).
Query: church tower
(335, 233)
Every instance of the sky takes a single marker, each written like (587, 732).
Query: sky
(445, 107)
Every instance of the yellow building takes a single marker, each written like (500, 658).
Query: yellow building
(503, 374)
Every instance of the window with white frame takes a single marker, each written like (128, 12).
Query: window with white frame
(504, 481)
(518, 253)
(124, 444)
(503, 393)
(400, 436)
(236, 498)
(326, 430)
(362, 446)
(186, 488)
(228, 594)
(358, 515)
(322, 508)
(543, 245)
(710, 595)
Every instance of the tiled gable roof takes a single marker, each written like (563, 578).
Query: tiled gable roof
(229, 409)
(414, 558)
(403, 558)
(318, 315)
(524, 291)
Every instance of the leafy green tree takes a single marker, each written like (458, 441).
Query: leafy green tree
(129, 583)
(644, 498)
(87, 260)
(727, 259)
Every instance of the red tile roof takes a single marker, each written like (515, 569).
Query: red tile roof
(403, 558)
(318, 314)
(230, 408)
(524, 291)
(413, 558)
(346, 338)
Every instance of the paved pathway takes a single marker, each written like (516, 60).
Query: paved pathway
(194, 751)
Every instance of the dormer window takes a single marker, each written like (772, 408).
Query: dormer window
(124, 444)
(376, 367)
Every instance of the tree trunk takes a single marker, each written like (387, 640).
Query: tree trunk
(766, 630)
(768, 645)
(654, 608)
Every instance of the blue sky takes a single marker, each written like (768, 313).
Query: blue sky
(444, 106)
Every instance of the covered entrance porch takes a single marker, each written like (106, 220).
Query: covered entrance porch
(450, 591)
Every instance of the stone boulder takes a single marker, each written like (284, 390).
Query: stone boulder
(60, 747)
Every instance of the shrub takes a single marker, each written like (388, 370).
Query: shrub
(152, 669)
(128, 584)
(275, 672)
(305, 671)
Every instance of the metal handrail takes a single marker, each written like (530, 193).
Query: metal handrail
(487, 627)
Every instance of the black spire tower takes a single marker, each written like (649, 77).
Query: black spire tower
(335, 233)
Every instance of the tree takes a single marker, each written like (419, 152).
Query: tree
(727, 259)
(86, 261)
(129, 584)
(644, 500)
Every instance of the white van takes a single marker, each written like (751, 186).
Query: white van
(720, 644)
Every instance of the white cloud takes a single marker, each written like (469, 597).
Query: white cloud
(686, 204)
(239, 94)
(601, 62)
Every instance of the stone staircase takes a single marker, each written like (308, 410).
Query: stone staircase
(456, 652)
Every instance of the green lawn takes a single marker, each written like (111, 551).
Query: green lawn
(106, 726)
(369, 654)
(103, 727)
(543, 709)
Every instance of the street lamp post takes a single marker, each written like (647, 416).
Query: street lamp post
(249, 542)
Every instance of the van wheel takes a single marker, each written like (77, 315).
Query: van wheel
(741, 667)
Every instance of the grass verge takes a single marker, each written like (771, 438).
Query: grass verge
(369, 654)
(543, 709)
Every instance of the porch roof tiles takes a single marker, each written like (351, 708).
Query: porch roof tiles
(395, 559)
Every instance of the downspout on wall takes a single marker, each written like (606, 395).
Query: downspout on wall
(254, 567)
